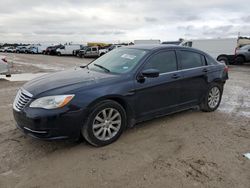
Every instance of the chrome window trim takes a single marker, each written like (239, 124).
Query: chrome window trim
(184, 69)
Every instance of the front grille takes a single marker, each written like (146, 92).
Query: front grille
(22, 98)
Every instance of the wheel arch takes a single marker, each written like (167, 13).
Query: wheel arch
(222, 55)
(218, 81)
(120, 100)
(241, 55)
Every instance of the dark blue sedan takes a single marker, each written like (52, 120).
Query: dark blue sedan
(126, 86)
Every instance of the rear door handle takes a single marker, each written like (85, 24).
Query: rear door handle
(175, 76)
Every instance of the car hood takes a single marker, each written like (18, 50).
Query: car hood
(73, 78)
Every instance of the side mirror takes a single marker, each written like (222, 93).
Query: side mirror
(150, 73)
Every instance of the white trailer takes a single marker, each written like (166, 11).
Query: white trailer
(151, 41)
(68, 49)
(222, 50)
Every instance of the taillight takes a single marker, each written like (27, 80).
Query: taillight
(226, 69)
(5, 60)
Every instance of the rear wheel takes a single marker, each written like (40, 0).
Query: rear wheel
(239, 60)
(213, 97)
(105, 123)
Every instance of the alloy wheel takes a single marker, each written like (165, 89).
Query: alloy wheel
(214, 97)
(107, 124)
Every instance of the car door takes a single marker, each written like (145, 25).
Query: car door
(88, 52)
(94, 52)
(194, 80)
(155, 96)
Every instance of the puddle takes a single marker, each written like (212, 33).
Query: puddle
(22, 77)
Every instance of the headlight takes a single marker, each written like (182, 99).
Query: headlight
(52, 102)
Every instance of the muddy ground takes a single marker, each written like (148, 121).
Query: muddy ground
(187, 149)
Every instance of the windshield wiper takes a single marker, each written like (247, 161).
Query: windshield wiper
(100, 66)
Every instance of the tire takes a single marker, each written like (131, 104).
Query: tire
(59, 54)
(239, 60)
(207, 105)
(97, 130)
(224, 60)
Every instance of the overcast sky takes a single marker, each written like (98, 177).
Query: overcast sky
(121, 20)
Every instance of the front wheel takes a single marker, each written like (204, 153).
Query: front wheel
(105, 123)
(213, 98)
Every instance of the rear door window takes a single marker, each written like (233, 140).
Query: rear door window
(163, 61)
(191, 59)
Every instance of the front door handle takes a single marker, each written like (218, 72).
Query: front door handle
(175, 76)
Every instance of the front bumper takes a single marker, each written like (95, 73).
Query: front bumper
(44, 124)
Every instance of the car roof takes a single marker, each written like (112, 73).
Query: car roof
(154, 46)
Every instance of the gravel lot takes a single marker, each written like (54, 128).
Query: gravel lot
(187, 149)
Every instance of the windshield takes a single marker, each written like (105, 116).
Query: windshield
(118, 61)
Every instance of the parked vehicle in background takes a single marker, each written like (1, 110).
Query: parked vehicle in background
(3, 49)
(151, 41)
(126, 86)
(21, 49)
(100, 44)
(32, 50)
(82, 51)
(242, 54)
(172, 42)
(41, 48)
(77, 51)
(51, 50)
(222, 50)
(114, 46)
(4, 66)
(68, 49)
(37, 49)
(10, 49)
(242, 41)
(95, 51)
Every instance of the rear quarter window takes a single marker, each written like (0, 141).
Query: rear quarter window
(191, 59)
(210, 60)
